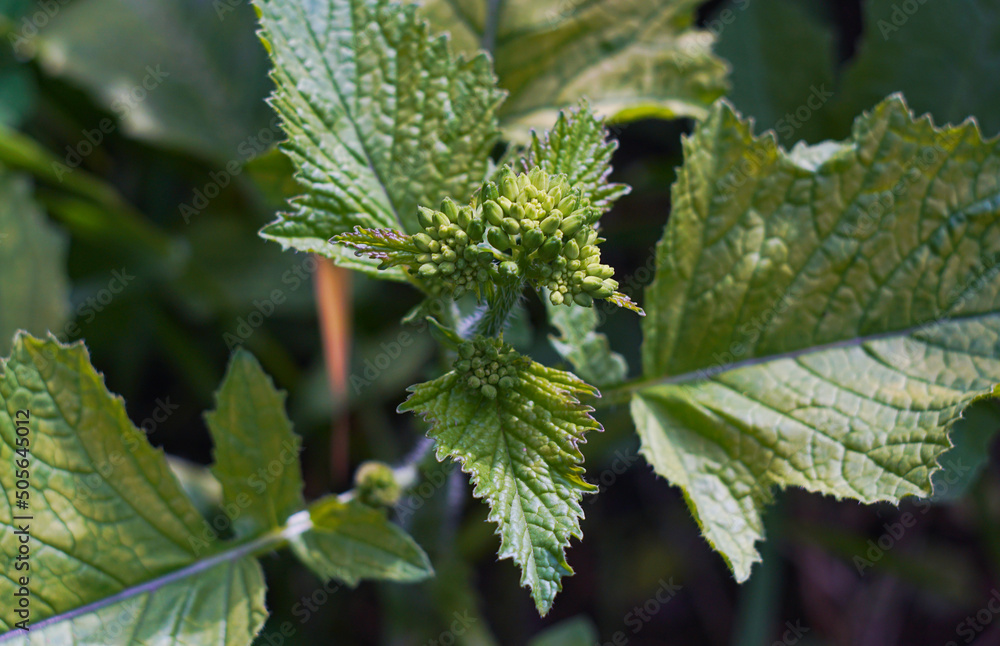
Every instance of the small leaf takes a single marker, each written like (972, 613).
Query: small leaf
(819, 318)
(584, 347)
(256, 452)
(33, 288)
(578, 147)
(521, 448)
(350, 541)
(631, 60)
(380, 118)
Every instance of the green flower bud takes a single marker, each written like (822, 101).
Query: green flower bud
(571, 225)
(498, 239)
(490, 191)
(466, 350)
(508, 268)
(508, 188)
(427, 270)
(567, 204)
(592, 283)
(465, 215)
(517, 211)
(532, 239)
(447, 268)
(556, 298)
(423, 241)
(462, 365)
(539, 178)
(425, 216)
(604, 292)
(504, 203)
(506, 383)
(511, 226)
(493, 213)
(571, 250)
(550, 249)
(450, 209)
(474, 382)
(550, 224)
(476, 230)
(488, 391)
(601, 271)
(375, 484)
(584, 300)
(440, 219)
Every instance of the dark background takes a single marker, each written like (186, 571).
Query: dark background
(164, 337)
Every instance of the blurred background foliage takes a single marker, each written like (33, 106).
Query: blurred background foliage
(139, 128)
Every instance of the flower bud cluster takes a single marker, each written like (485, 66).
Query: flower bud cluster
(489, 365)
(375, 484)
(450, 259)
(548, 229)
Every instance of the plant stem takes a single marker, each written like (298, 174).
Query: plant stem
(500, 303)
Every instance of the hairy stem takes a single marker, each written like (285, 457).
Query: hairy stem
(506, 292)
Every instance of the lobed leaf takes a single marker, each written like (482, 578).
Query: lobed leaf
(632, 60)
(380, 117)
(256, 452)
(821, 317)
(521, 450)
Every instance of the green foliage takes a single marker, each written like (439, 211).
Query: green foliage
(187, 74)
(586, 349)
(369, 139)
(631, 60)
(350, 541)
(33, 289)
(256, 452)
(119, 549)
(819, 318)
(520, 444)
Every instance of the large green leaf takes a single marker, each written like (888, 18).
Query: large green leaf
(33, 286)
(380, 118)
(256, 452)
(110, 529)
(819, 318)
(350, 541)
(631, 58)
(521, 449)
(185, 74)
